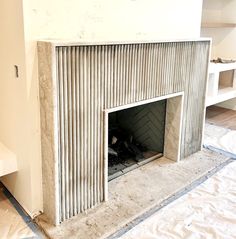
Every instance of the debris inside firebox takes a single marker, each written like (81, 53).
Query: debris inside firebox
(123, 146)
(112, 152)
(125, 152)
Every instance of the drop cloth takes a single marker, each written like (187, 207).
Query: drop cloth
(208, 211)
(12, 226)
(220, 138)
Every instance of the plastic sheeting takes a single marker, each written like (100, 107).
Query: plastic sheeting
(208, 211)
(12, 226)
(220, 138)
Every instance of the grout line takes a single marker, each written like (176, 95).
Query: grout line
(27, 219)
(167, 201)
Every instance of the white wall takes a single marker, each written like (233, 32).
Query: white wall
(112, 19)
(92, 20)
(223, 38)
(19, 116)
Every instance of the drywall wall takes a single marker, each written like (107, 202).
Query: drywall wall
(227, 47)
(223, 39)
(116, 19)
(79, 19)
(19, 116)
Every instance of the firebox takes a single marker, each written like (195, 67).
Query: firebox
(135, 137)
(138, 133)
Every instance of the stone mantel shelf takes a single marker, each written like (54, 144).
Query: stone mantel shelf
(64, 42)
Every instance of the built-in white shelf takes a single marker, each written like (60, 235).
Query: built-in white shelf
(8, 162)
(219, 67)
(223, 95)
(221, 83)
(218, 25)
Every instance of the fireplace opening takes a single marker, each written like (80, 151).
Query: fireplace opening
(135, 137)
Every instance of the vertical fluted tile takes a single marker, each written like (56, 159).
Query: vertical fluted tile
(91, 79)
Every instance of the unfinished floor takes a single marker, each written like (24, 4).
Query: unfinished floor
(220, 130)
(221, 117)
(135, 193)
(12, 224)
(208, 211)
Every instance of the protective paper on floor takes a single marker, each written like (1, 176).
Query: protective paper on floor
(208, 211)
(220, 138)
(12, 226)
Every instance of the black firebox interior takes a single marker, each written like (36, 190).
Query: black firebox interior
(135, 136)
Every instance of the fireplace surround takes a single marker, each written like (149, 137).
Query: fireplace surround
(81, 83)
(135, 137)
(154, 123)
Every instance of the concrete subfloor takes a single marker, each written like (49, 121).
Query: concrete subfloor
(136, 193)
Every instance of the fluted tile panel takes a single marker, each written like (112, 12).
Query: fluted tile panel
(91, 79)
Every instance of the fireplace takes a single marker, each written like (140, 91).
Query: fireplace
(136, 133)
(85, 88)
(135, 137)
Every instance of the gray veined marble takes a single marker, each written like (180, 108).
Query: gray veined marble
(173, 127)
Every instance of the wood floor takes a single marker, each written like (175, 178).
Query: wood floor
(222, 117)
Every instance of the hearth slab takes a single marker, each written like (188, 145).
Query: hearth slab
(134, 194)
